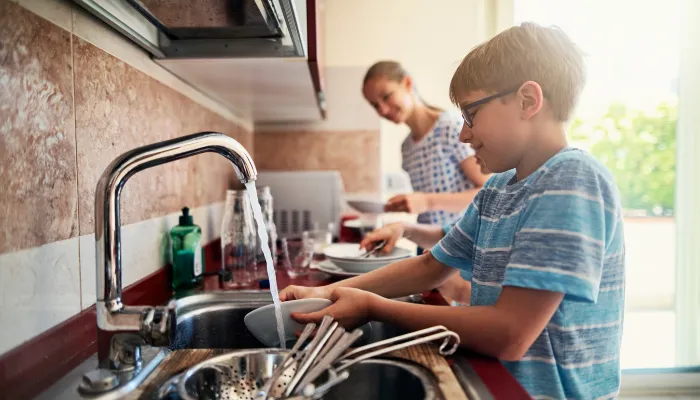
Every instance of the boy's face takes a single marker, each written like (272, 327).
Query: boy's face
(499, 133)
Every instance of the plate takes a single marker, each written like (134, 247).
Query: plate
(330, 268)
(262, 324)
(352, 252)
(367, 206)
(360, 224)
(346, 257)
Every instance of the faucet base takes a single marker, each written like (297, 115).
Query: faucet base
(108, 384)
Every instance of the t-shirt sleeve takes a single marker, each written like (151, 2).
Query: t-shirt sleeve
(563, 232)
(456, 248)
(460, 151)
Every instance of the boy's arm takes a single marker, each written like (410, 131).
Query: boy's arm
(504, 330)
(412, 275)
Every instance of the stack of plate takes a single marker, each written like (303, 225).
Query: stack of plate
(344, 259)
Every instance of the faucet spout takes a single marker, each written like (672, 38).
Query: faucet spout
(153, 324)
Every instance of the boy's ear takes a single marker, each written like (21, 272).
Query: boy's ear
(408, 83)
(530, 99)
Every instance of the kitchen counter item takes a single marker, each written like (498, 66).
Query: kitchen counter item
(238, 240)
(186, 253)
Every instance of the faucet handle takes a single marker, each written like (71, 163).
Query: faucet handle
(159, 324)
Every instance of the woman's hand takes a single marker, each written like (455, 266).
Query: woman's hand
(391, 233)
(351, 308)
(303, 292)
(413, 203)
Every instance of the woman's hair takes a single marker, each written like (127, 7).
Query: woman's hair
(392, 71)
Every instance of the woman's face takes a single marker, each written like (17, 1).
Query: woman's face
(393, 100)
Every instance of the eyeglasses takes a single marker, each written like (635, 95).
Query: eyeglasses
(469, 117)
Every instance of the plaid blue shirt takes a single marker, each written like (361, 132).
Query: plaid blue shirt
(433, 163)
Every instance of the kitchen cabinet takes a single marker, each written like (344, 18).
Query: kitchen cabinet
(262, 59)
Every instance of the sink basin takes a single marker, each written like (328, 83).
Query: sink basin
(386, 379)
(215, 321)
(240, 375)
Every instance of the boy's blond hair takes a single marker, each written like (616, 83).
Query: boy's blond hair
(528, 52)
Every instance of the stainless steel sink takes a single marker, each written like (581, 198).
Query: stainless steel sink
(386, 379)
(215, 321)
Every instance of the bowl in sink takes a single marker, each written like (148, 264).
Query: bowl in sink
(262, 323)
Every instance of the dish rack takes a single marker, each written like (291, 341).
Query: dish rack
(302, 199)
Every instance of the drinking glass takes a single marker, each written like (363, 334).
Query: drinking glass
(296, 255)
(321, 238)
(238, 239)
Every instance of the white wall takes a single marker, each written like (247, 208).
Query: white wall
(429, 38)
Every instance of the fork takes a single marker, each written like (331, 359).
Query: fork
(375, 249)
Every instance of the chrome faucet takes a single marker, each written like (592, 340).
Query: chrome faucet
(152, 325)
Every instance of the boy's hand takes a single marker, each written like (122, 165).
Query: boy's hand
(351, 308)
(391, 233)
(413, 203)
(303, 292)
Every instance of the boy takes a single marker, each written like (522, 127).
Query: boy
(542, 242)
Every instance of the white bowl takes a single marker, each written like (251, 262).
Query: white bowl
(367, 206)
(262, 324)
(346, 257)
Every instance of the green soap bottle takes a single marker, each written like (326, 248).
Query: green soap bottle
(187, 256)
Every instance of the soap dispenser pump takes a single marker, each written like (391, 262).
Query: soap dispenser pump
(187, 256)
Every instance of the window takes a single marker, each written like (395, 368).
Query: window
(628, 117)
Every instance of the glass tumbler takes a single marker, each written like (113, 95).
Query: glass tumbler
(296, 255)
(321, 238)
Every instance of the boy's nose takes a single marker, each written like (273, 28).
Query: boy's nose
(465, 136)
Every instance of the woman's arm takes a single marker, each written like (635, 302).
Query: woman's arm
(474, 171)
(420, 202)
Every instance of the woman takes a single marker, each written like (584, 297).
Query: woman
(444, 172)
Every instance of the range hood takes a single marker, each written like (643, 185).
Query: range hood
(258, 58)
(208, 28)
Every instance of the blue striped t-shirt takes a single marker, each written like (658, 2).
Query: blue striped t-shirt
(560, 229)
